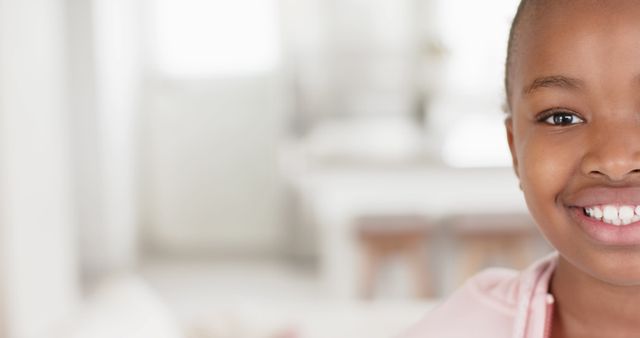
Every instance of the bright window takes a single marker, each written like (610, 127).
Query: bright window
(200, 38)
(475, 34)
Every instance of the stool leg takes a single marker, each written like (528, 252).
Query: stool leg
(418, 264)
(370, 265)
(519, 252)
(475, 256)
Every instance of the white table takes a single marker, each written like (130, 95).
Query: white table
(336, 196)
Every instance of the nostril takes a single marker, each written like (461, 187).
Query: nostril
(614, 164)
(610, 176)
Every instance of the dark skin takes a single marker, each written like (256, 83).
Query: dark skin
(575, 124)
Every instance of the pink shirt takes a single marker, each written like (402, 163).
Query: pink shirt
(496, 303)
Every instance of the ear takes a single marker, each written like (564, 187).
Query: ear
(508, 123)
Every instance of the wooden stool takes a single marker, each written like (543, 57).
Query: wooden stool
(489, 236)
(382, 237)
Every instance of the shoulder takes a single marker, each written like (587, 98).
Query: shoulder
(486, 304)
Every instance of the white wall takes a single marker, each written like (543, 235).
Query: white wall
(84, 134)
(210, 176)
(214, 113)
(38, 259)
(109, 240)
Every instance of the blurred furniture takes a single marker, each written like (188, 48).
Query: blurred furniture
(385, 237)
(337, 196)
(492, 238)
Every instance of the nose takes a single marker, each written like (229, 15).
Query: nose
(614, 153)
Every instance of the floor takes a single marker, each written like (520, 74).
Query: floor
(255, 299)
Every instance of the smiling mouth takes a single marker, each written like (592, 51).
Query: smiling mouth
(613, 214)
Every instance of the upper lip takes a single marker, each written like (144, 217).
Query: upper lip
(593, 196)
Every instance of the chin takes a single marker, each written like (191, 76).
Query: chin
(620, 280)
(617, 268)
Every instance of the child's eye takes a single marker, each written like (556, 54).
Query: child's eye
(560, 118)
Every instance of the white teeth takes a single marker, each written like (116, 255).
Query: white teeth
(625, 212)
(597, 213)
(616, 215)
(610, 213)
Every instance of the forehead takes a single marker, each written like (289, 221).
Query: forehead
(591, 41)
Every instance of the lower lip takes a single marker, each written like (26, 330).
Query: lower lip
(608, 234)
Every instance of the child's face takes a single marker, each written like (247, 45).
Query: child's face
(574, 133)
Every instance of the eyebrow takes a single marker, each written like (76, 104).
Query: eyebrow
(555, 81)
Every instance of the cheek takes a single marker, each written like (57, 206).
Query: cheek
(546, 168)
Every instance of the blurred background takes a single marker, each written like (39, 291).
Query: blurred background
(250, 168)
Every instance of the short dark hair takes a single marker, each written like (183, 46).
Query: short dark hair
(512, 46)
